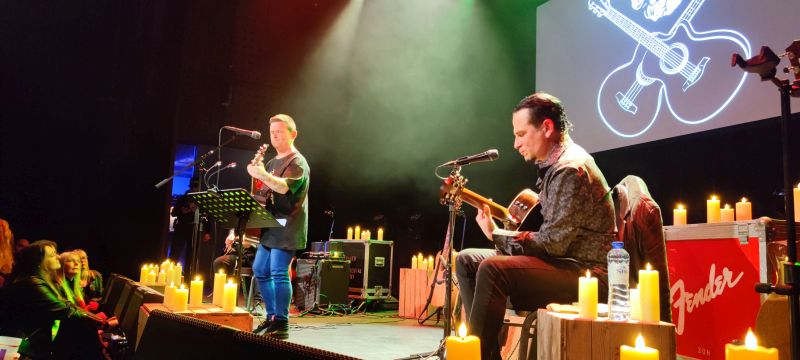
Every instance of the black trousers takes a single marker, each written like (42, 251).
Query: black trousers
(488, 279)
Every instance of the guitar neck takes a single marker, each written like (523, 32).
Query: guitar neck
(642, 36)
(497, 210)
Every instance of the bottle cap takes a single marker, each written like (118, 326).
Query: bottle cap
(617, 245)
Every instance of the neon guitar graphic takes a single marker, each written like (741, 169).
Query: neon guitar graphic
(681, 69)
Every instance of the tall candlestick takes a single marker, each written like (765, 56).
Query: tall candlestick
(679, 215)
(712, 210)
(726, 214)
(219, 288)
(229, 297)
(750, 350)
(196, 292)
(463, 347)
(380, 233)
(181, 299)
(349, 233)
(744, 210)
(648, 295)
(640, 352)
(587, 296)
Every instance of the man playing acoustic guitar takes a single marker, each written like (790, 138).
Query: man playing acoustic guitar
(537, 268)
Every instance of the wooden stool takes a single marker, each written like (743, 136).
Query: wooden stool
(520, 328)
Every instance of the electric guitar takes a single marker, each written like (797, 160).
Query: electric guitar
(684, 69)
(260, 191)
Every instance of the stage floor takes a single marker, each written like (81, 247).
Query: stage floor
(372, 335)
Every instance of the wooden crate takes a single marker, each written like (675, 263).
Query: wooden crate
(564, 336)
(239, 319)
(414, 288)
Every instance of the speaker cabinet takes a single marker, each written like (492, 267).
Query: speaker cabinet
(321, 283)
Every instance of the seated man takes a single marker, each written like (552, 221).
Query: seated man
(227, 261)
(536, 268)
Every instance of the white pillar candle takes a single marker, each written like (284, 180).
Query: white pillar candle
(712, 210)
(726, 214)
(744, 210)
(219, 288)
(181, 299)
(229, 297)
(196, 292)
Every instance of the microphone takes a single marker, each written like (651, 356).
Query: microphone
(488, 155)
(251, 133)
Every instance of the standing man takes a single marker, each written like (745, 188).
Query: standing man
(536, 268)
(287, 177)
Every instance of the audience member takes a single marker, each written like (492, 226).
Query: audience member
(6, 252)
(21, 244)
(52, 327)
(91, 280)
(68, 278)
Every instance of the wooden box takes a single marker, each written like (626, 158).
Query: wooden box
(564, 336)
(239, 319)
(414, 289)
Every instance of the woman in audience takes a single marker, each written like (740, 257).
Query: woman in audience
(6, 251)
(91, 280)
(68, 277)
(51, 326)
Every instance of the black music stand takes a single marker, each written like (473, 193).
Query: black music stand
(234, 209)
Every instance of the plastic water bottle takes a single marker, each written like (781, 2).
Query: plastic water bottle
(618, 268)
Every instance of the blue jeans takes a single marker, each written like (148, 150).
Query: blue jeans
(271, 270)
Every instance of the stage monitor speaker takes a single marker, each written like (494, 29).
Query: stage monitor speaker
(321, 283)
(129, 320)
(247, 345)
(119, 308)
(172, 336)
(114, 287)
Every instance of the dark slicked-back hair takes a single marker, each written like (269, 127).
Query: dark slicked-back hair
(545, 106)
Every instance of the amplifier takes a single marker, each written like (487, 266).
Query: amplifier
(370, 265)
(321, 283)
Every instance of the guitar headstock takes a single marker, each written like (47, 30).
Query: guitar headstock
(451, 189)
(600, 9)
(259, 157)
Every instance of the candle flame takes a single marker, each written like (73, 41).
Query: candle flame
(588, 274)
(230, 281)
(727, 206)
(222, 272)
(713, 197)
(680, 207)
(462, 330)
(182, 287)
(648, 267)
(640, 342)
(172, 283)
(750, 341)
(744, 199)
(197, 278)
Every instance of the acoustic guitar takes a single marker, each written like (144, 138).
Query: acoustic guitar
(511, 217)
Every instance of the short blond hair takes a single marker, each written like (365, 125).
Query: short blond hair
(286, 119)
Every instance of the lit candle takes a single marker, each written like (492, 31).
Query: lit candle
(414, 262)
(380, 233)
(587, 296)
(797, 203)
(712, 210)
(181, 299)
(726, 214)
(369, 235)
(162, 277)
(229, 297)
(750, 350)
(219, 288)
(744, 210)
(462, 346)
(424, 265)
(170, 275)
(679, 215)
(363, 235)
(636, 307)
(640, 352)
(196, 292)
(648, 295)
(357, 233)
(143, 274)
(151, 277)
(349, 233)
(169, 295)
